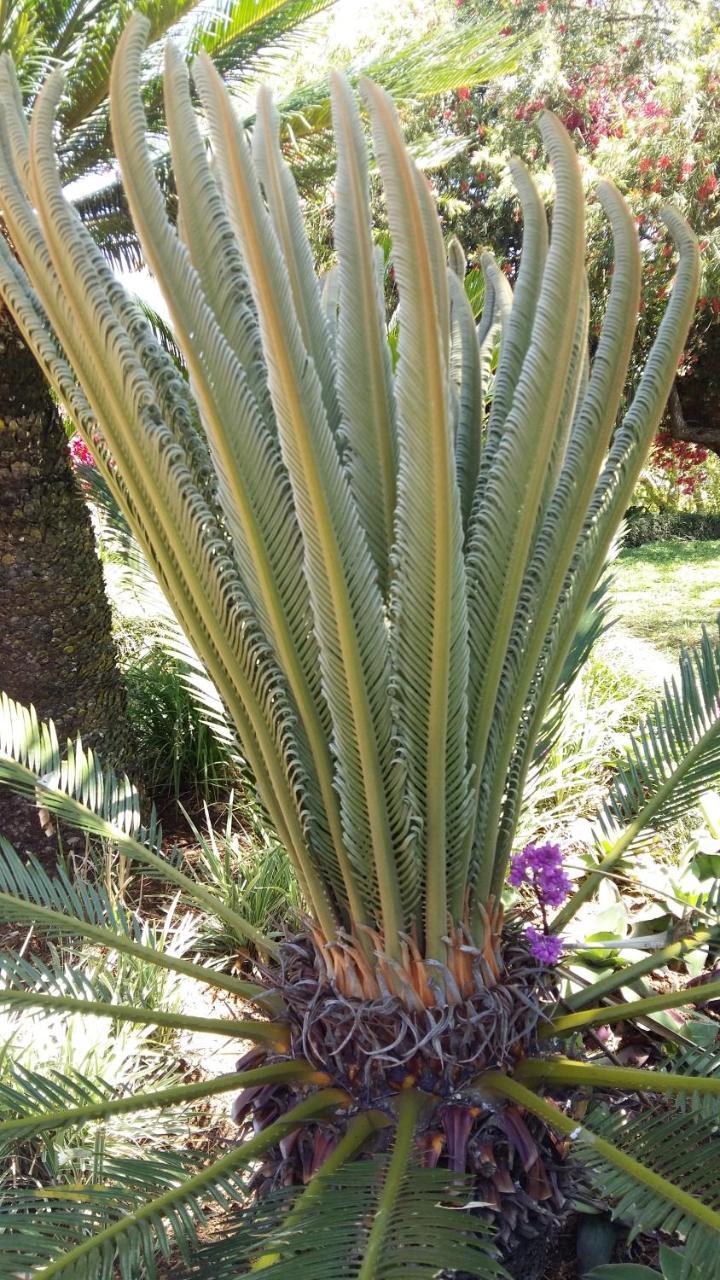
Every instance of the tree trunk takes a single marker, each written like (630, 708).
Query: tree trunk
(56, 646)
(693, 412)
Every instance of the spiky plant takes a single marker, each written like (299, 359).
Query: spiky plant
(383, 570)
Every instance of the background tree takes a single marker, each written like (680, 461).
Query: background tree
(56, 639)
(637, 83)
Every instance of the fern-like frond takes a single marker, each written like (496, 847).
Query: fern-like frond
(660, 1167)
(139, 1230)
(674, 1149)
(676, 754)
(36, 986)
(77, 789)
(380, 1217)
(673, 758)
(59, 906)
(428, 602)
(42, 1103)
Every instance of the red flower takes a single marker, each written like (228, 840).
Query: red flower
(506, 31)
(79, 452)
(543, 6)
(645, 164)
(463, 93)
(664, 162)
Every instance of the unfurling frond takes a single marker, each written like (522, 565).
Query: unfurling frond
(383, 566)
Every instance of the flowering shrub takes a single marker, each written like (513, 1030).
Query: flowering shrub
(640, 93)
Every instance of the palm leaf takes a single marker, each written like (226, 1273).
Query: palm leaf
(672, 1146)
(59, 906)
(347, 607)
(660, 1168)
(428, 601)
(93, 799)
(139, 1229)
(383, 1217)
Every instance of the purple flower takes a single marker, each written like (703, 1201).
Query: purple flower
(541, 867)
(544, 947)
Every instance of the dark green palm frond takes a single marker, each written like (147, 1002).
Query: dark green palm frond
(242, 38)
(81, 792)
(97, 1232)
(374, 1219)
(39, 1224)
(429, 1231)
(58, 906)
(164, 334)
(676, 755)
(91, 66)
(681, 1149)
(436, 62)
(696, 1063)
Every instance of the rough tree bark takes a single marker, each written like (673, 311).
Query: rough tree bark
(694, 407)
(56, 645)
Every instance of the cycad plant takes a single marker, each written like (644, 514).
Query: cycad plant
(383, 566)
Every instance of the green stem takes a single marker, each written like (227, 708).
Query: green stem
(65, 923)
(409, 1106)
(632, 1009)
(632, 831)
(199, 1183)
(275, 1033)
(627, 976)
(567, 1071)
(572, 1129)
(174, 1096)
(359, 1128)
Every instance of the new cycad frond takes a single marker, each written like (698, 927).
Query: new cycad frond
(383, 568)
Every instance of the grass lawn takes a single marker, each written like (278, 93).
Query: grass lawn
(663, 594)
(665, 591)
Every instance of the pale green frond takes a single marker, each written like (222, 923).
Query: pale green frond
(428, 589)
(364, 364)
(468, 371)
(505, 516)
(347, 607)
(283, 205)
(169, 512)
(254, 489)
(524, 304)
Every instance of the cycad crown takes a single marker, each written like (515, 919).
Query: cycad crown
(382, 568)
